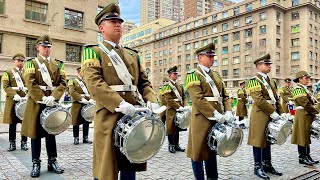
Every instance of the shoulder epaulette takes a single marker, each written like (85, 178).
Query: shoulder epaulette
(298, 92)
(29, 67)
(30, 59)
(136, 51)
(5, 75)
(240, 91)
(166, 89)
(191, 71)
(253, 85)
(191, 79)
(89, 59)
(281, 89)
(70, 82)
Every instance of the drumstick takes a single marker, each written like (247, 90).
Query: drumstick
(41, 102)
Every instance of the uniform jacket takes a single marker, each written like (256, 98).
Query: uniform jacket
(285, 93)
(241, 104)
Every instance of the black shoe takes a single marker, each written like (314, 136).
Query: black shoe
(311, 160)
(53, 166)
(86, 140)
(305, 160)
(35, 172)
(258, 171)
(24, 146)
(178, 148)
(12, 146)
(76, 141)
(171, 148)
(179, 129)
(268, 168)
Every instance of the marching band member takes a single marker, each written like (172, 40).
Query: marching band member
(162, 99)
(80, 97)
(209, 102)
(175, 99)
(266, 107)
(46, 81)
(241, 104)
(115, 78)
(285, 94)
(305, 115)
(14, 86)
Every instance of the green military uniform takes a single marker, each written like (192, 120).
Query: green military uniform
(162, 101)
(99, 75)
(241, 104)
(285, 94)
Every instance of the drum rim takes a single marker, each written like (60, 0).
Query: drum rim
(16, 106)
(66, 123)
(175, 118)
(86, 107)
(276, 141)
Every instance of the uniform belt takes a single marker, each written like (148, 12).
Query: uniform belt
(178, 100)
(84, 95)
(123, 87)
(47, 88)
(239, 98)
(299, 107)
(271, 102)
(215, 99)
(19, 89)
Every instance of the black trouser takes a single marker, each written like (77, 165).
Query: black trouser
(262, 154)
(50, 146)
(174, 138)
(241, 118)
(303, 150)
(13, 133)
(210, 166)
(85, 129)
(126, 175)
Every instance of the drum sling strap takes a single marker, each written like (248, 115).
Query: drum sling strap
(83, 87)
(175, 90)
(122, 71)
(269, 90)
(213, 87)
(44, 73)
(18, 80)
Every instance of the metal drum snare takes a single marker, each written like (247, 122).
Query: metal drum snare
(55, 119)
(182, 118)
(19, 108)
(315, 129)
(139, 137)
(225, 139)
(278, 131)
(87, 112)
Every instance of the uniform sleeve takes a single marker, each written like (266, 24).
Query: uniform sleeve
(169, 96)
(255, 90)
(7, 85)
(98, 88)
(278, 105)
(242, 96)
(193, 83)
(301, 99)
(72, 91)
(34, 90)
(59, 91)
(285, 96)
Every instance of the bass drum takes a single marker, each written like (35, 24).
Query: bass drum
(55, 119)
(225, 139)
(278, 131)
(182, 119)
(139, 137)
(87, 112)
(19, 108)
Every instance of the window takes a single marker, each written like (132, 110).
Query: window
(187, 46)
(179, 58)
(315, 56)
(170, 41)
(295, 55)
(315, 30)
(248, 7)
(248, 58)
(316, 43)
(263, 42)
(165, 42)
(278, 17)
(263, 29)
(224, 73)
(225, 50)
(214, 29)
(179, 48)
(224, 26)
(214, 17)
(236, 73)
(248, 32)
(204, 21)
(295, 2)
(170, 51)
(205, 42)
(236, 35)
(295, 15)
(278, 56)
(179, 29)
(263, 16)
(225, 38)
(73, 19)
(236, 23)
(164, 63)
(31, 47)
(179, 38)
(196, 45)
(311, 69)
(310, 42)
(263, 2)
(196, 34)
(278, 29)
(295, 42)
(278, 43)
(295, 28)
(73, 53)
(236, 60)
(248, 45)
(277, 69)
(225, 14)
(215, 40)
(248, 20)
(204, 32)
(225, 61)
(236, 48)
(2, 6)
(310, 55)
(295, 69)
(170, 60)
(187, 66)
(35, 11)
(160, 53)
(196, 24)
(148, 57)
(188, 57)
(195, 65)
(236, 11)
(310, 28)
(248, 70)
(187, 36)
(188, 26)
(160, 63)
(165, 52)
(310, 15)
(156, 54)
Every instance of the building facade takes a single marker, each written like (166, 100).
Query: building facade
(69, 23)
(127, 27)
(288, 30)
(151, 10)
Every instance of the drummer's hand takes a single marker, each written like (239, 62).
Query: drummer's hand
(16, 97)
(126, 108)
(218, 116)
(49, 101)
(275, 115)
(180, 108)
(229, 117)
(152, 106)
(84, 101)
(91, 101)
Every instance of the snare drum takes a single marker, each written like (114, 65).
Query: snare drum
(20, 107)
(315, 129)
(278, 131)
(87, 112)
(55, 119)
(182, 119)
(139, 137)
(225, 139)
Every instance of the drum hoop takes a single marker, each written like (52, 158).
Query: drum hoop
(17, 106)
(65, 124)
(84, 109)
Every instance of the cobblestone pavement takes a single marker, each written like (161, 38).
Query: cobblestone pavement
(77, 161)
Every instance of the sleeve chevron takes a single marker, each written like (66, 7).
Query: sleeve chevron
(89, 59)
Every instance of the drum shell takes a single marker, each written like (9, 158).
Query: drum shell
(87, 112)
(279, 131)
(182, 119)
(55, 119)
(20, 109)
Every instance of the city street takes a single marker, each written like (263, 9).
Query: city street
(77, 161)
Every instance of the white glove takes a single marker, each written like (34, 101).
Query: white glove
(275, 115)
(152, 106)
(291, 103)
(91, 101)
(84, 101)
(229, 116)
(16, 97)
(126, 108)
(180, 108)
(49, 101)
(218, 116)
(188, 107)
